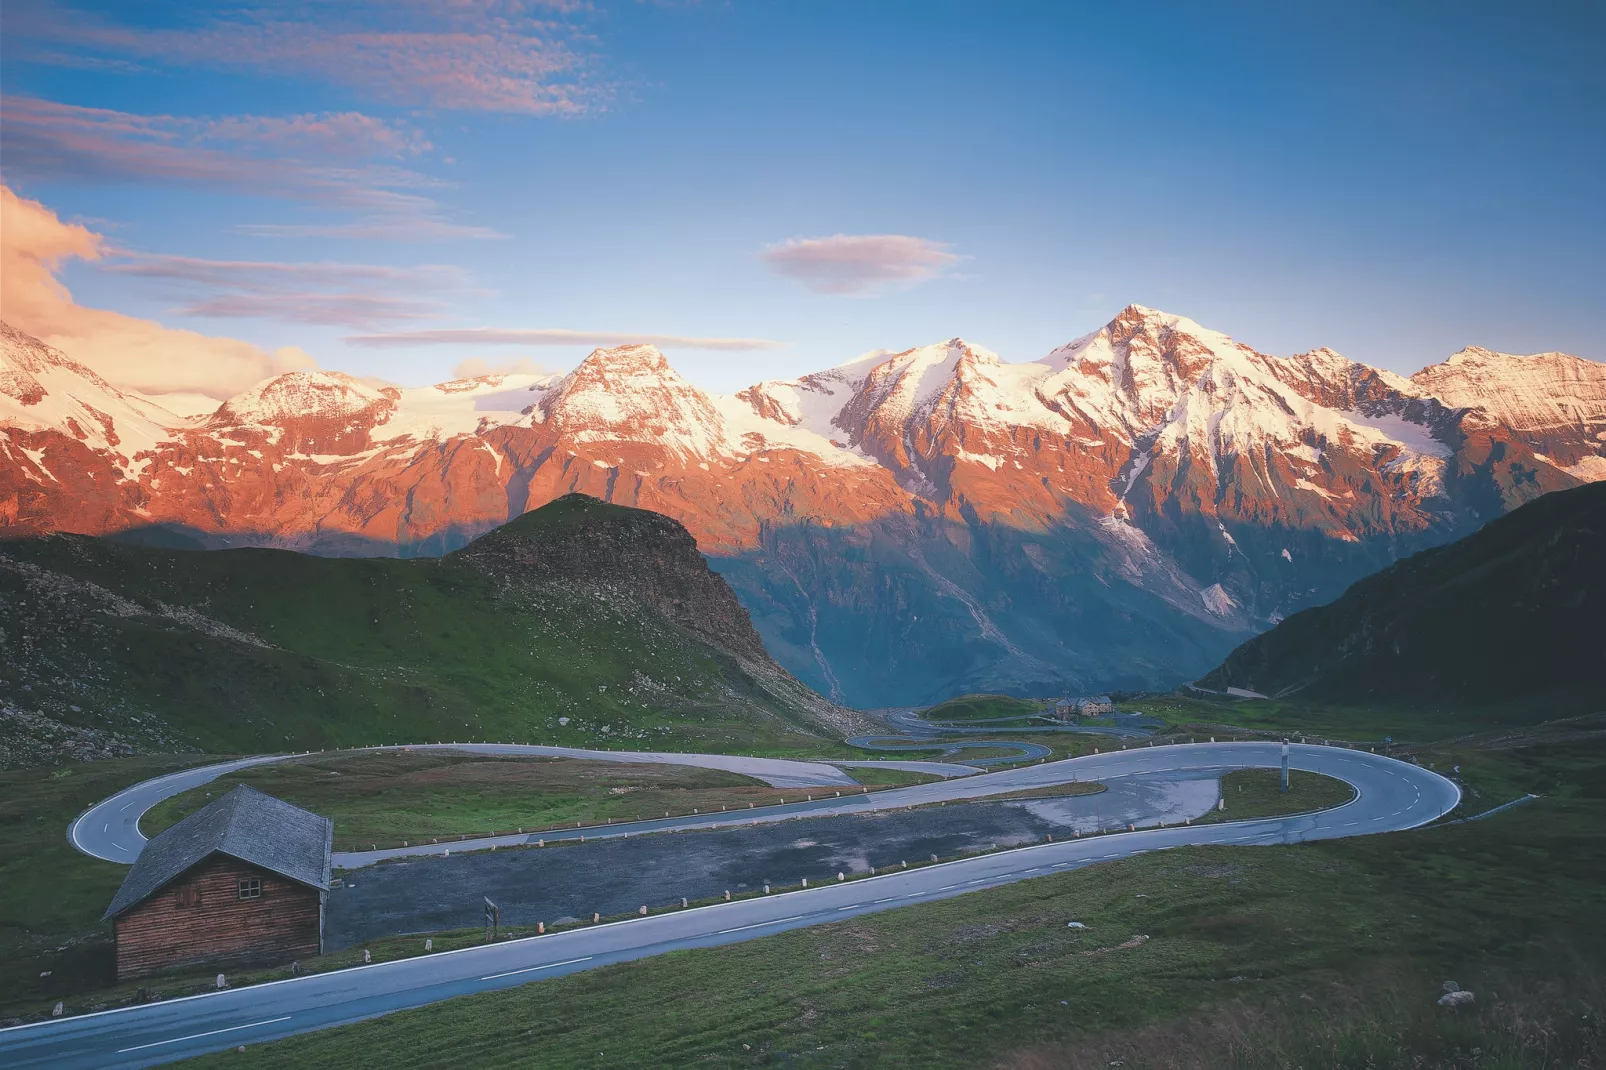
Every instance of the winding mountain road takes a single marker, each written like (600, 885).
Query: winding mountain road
(1390, 796)
(110, 829)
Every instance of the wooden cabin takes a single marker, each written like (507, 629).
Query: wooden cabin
(241, 881)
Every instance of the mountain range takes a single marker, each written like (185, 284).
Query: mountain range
(1120, 513)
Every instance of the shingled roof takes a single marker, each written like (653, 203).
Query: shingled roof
(244, 824)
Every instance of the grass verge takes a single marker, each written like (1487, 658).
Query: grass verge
(1252, 793)
(891, 778)
(389, 797)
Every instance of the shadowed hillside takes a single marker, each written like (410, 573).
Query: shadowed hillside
(580, 622)
(1510, 617)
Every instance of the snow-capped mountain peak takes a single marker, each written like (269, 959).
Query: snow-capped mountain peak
(630, 394)
(324, 395)
(1555, 402)
(43, 391)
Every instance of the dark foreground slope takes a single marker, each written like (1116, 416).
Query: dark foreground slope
(578, 623)
(1512, 617)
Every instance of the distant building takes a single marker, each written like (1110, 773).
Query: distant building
(1074, 709)
(242, 880)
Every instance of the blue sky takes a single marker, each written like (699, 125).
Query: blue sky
(1394, 180)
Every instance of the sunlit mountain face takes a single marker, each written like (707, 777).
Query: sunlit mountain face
(1119, 513)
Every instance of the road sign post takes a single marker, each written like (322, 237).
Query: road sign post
(1285, 765)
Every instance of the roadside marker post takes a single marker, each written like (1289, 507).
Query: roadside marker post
(493, 919)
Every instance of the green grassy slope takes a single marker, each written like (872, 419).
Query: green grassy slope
(982, 708)
(603, 615)
(1506, 619)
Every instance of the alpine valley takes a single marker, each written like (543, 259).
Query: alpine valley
(1118, 514)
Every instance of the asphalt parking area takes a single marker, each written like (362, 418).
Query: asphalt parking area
(616, 876)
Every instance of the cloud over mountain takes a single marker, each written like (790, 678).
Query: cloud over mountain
(552, 336)
(860, 264)
(132, 352)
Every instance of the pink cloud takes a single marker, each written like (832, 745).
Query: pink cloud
(130, 352)
(497, 57)
(474, 367)
(316, 159)
(362, 296)
(553, 336)
(859, 264)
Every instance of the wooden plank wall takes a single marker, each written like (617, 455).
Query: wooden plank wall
(221, 929)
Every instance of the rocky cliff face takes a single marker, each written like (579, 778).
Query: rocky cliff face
(585, 542)
(1119, 513)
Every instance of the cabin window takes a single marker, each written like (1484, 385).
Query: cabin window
(188, 896)
(250, 888)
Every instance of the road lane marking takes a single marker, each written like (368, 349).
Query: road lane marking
(851, 906)
(198, 1036)
(532, 969)
(890, 899)
(760, 924)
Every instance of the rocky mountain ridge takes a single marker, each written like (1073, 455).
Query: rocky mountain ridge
(1120, 512)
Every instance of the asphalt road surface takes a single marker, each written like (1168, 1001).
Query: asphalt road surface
(1390, 796)
(110, 829)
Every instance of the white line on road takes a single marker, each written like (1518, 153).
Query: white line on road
(198, 1036)
(532, 969)
(760, 924)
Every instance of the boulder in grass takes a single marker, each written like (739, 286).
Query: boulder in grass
(1458, 998)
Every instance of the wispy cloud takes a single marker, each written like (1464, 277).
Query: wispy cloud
(860, 265)
(338, 160)
(130, 352)
(556, 337)
(360, 296)
(464, 55)
(474, 367)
